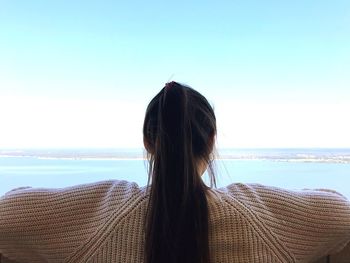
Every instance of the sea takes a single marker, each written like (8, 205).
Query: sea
(293, 169)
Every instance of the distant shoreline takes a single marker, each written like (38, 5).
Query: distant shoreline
(311, 155)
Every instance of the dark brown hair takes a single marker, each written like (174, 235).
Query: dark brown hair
(179, 130)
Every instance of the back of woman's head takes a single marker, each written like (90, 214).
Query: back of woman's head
(179, 131)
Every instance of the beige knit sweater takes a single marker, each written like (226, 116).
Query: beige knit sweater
(102, 222)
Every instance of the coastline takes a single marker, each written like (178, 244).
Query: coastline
(310, 155)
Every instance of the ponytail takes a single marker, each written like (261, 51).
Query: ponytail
(176, 227)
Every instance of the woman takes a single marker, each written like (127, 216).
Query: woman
(176, 217)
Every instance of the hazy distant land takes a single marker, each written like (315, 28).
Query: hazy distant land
(318, 155)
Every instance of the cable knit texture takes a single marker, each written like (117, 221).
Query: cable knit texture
(103, 222)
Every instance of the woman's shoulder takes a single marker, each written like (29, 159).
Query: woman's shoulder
(254, 191)
(307, 206)
(275, 200)
(112, 186)
(98, 199)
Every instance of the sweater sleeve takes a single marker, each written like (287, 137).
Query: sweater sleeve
(309, 223)
(48, 225)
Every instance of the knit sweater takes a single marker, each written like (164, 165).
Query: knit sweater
(103, 222)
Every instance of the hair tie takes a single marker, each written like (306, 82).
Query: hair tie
(170, 84)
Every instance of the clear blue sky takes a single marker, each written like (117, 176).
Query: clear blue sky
(80, 73)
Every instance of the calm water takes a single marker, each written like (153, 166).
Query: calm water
(58, 172)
